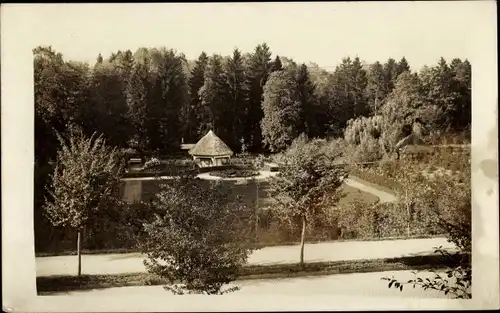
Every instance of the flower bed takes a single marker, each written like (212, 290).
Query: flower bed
(234, 172)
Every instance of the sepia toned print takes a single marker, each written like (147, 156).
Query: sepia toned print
(255, 170)
(217, 215)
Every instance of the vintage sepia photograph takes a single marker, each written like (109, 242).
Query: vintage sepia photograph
(254, 149)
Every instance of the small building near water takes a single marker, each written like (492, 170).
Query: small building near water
(211, 151)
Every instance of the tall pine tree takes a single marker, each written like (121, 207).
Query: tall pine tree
(375, 88)
(238, 97)
(137, 92)
(191, 111)
(308, 103)
(259, 66)
(282, 121)
(214, 112)
(402, 66)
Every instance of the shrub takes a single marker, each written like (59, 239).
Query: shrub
(197, 238)
(363, 221)
(449, 198)
(363, 137)
(153, 162)
(229, 173)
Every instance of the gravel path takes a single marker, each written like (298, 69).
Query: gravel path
(327, 251)
(382, 195)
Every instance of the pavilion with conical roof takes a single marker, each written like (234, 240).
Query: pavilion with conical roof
(210, 150)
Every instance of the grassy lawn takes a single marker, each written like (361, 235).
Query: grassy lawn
(248, 191)
(351, 194)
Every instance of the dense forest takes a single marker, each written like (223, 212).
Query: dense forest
(153, 99)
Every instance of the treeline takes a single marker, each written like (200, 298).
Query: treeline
(153, 99)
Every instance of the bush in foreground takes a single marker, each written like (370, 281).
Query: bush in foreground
(196, 241)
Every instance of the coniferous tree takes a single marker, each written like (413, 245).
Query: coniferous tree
(359, 82)
(375, 88)
(462, 112)
(169, 94)
(276, 66)
(214, 114)
(402, 67)
(390, 70)
(283, 115)
(138, 89)
(192, 109)
(309, 109)
(349, 99)
(238, 96)
(259, 65)
(99, 59)
(322, 82)
(124, 63)
(110, 104)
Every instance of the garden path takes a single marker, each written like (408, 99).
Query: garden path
(314, 252)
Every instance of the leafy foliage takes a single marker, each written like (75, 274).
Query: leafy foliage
(449, 198)
(455, 281)
(83, 182)
(307, 183)
(196, 240)
(282, 121)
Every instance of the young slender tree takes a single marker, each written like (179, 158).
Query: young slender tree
(83, 183)
(306, 185)
(197, 240)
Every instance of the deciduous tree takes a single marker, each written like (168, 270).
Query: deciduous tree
(83, 184)
(306, 185)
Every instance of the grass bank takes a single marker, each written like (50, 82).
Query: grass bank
(55, 284)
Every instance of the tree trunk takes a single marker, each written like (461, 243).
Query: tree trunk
(408, 213)
(257, 212)
(78, 251)
(302, 241)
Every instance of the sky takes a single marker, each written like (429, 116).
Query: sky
(322, 32)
